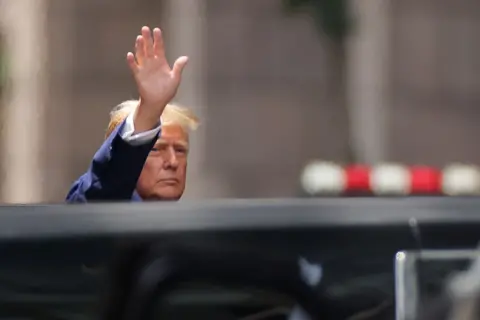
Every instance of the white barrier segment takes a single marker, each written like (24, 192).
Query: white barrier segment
(390, 179)
(461, 179)
(323, 178)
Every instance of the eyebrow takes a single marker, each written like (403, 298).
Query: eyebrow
(181, 143)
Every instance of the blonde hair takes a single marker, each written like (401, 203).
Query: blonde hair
(172, 115)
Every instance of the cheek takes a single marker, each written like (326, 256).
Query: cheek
(149, 172)
(149, 165)
(182, 170)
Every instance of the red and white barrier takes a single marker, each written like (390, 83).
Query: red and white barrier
(327, 178)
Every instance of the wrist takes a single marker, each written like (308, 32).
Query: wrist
(146, 117)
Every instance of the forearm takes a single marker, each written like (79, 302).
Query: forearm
(134, 136)
(116, 166)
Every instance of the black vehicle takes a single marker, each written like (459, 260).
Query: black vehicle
(265, 259)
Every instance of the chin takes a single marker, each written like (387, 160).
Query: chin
(168, 194)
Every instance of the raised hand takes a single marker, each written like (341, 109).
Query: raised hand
(157, 82)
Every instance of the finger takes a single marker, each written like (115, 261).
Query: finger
(178, 67)
(132, 63)
(140, 50)
(158, 49)
(147, 36)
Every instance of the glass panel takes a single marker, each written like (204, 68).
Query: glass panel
(63, 278)
(195, 301)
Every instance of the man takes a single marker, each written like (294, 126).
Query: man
(144, 156)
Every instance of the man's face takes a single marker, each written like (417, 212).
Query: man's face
(164, 173)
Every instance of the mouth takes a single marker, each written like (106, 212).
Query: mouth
(169, 182)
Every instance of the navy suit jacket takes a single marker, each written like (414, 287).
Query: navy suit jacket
(113, 173)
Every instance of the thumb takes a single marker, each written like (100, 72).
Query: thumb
(178, 66)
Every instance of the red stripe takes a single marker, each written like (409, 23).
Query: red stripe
(425, 180)
(358, 178)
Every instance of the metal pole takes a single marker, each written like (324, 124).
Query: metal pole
(368, 78)
(185, 36)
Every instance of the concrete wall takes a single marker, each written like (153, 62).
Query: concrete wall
(435, 82)
(271, 106)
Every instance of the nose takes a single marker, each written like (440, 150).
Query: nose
(171, 161)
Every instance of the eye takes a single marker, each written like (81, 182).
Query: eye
(181, 150)
(157, 148)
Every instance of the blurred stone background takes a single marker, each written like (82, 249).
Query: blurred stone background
(260, 79)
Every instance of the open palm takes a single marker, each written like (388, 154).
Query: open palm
(157, 83)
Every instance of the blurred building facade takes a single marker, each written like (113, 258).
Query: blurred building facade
(260, 81)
